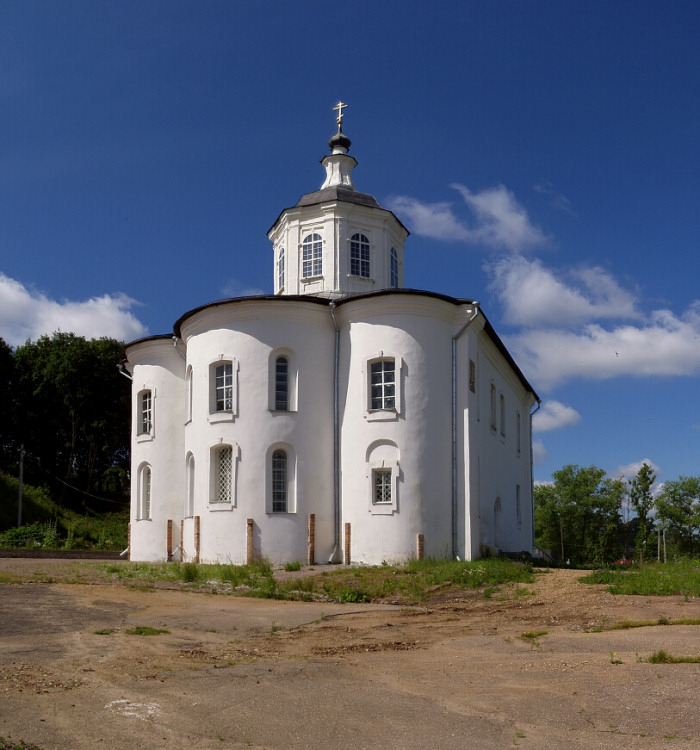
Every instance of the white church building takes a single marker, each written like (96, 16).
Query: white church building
(343, 418)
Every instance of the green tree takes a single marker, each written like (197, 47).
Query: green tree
(6, 410)
(643, 502)
(578, 515)
(678, 508)
(73, 415)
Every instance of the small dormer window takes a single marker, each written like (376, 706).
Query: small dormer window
(359, 255)
(312, 256)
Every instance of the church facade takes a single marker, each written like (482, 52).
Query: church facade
(343, 417)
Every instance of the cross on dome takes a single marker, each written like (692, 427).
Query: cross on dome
(340, 106)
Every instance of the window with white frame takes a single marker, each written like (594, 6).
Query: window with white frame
(189, 480)
(394, 263)
(312, 256)
(223, 386)
(223, 474)
(381, 483)
(280, 481)
(280, 270)
(143, 511)
(382, 380)
(359, 255)
(188, 386)
(145, 423)
(383, 477)
(282, 383)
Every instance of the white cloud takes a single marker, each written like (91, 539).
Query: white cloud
(501, 222)
(556, 199)
(234, 288)
(434, 220)
(663, 345)
(498, 221)
(554, 415)
(629, 471)
(539, 453)
(27, 314)
(533, 295)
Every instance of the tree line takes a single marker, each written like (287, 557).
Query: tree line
(64, 404)
(586, 518)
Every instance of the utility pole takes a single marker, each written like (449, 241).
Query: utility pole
(21, 483)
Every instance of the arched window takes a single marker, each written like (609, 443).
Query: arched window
(189, 506)
(145, 424)
(223, 473)
(279, 481)
(394, 269)
(144, 493)
(224, 387)
(282, 384)
(280, 270)
(188, 385)
(312, 256)
(359, 255)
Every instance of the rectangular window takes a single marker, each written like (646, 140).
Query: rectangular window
(224, 473)
(381, 483)
(279, 482)
(383, 384)
(146, 413)
(493, 407)
(503, 415)
(224, 387)
(472, 376)
(282, 384)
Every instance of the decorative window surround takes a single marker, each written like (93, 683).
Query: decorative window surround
(280, 479)
(145, 403)
(359, 256)
(383, 483)
(223, 472)
(275, 382)
(223, 389)
(383, 395)
(143, 510)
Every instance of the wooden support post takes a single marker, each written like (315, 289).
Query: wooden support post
(170, 540)
(310, 553)
(196, 539)
(346, 556)
(420, 547)
(250, 547)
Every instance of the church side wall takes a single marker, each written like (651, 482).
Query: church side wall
(156, 449)
(498, 452)
(252, 335)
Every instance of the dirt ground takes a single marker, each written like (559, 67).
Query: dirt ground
(246, 673)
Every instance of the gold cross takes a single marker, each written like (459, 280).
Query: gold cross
(340, 107)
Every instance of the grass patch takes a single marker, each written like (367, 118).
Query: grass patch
(531, 638)
(654, 579)
(11, 745)
(106, 631)
(292, 566)
(663, 657)
(146, 630)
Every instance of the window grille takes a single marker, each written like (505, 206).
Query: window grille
(224, 472)
(359, 255)
(382, 485)
(146, 492)
(312, 256)
(279, 482)
(282, 384)
(394, 269)
(224, 387)
(383, 384)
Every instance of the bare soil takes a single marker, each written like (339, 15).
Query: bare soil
(455, 672)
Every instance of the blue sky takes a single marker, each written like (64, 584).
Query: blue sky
(544, 154)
